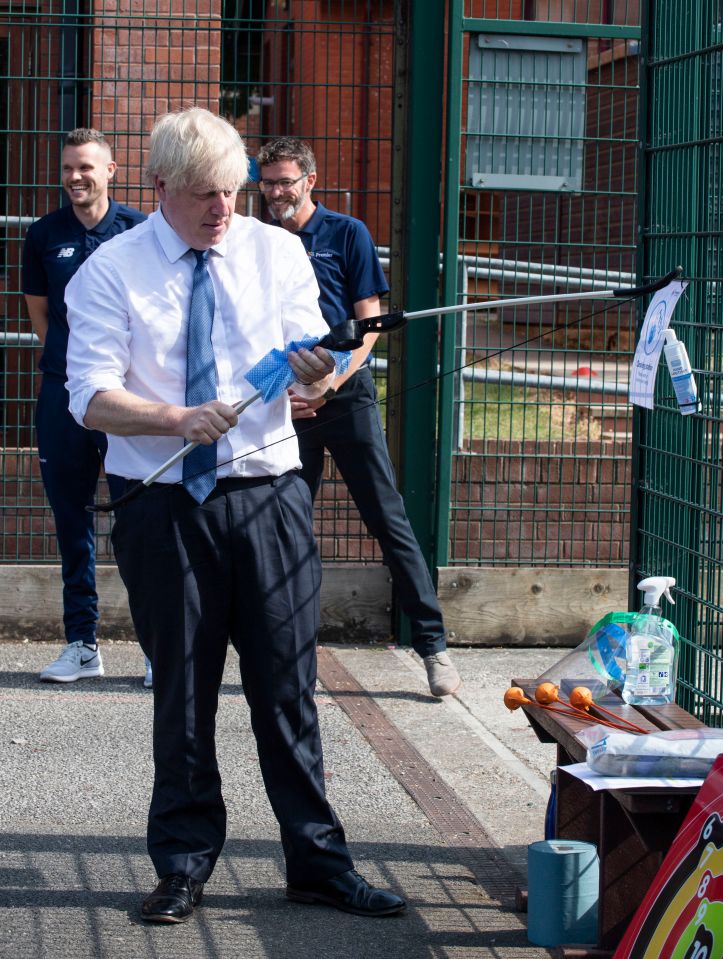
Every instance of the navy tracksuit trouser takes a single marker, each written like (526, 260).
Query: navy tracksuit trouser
(70, 461)
(349, 426)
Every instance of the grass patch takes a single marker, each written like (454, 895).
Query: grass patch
(499, 411)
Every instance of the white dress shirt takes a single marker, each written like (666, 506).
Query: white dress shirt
(128, 308)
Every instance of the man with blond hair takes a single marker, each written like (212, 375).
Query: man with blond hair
(164, 323)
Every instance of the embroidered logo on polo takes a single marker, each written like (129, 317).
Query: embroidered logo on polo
(66, 252)
(321, 254)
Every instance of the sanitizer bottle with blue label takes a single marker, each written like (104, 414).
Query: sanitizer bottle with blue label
(681, 373)
(651, 650)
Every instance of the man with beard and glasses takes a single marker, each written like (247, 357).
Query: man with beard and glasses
(71, 457)
(346, 419)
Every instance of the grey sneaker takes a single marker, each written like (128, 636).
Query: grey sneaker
(148, 679)
(443, 677)
(77, 661)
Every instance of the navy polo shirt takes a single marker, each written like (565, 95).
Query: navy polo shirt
(55, 246)
(345, 262)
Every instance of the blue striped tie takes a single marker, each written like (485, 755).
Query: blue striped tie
(199, 467)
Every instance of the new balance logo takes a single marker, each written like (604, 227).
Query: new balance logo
(66, 252)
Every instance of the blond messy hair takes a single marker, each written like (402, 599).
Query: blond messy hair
(196, 148)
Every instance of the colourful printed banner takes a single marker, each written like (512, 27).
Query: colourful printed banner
(681, 916)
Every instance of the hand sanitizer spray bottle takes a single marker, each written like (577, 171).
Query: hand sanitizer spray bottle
(681, 373)
(651, 650)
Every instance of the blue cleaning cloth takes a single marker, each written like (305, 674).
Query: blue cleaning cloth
(272, 375)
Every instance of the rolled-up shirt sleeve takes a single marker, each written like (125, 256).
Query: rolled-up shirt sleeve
(128, 313)
(98, 346)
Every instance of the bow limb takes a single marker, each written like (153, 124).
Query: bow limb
(163, 468)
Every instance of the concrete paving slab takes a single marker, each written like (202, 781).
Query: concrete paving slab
(488, 755)
(75, 775)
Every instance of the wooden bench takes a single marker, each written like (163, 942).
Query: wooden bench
(632, 828)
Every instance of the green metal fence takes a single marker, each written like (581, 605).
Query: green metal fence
(679, 502)
(322, 70)
(540, 197)
(540, 434)
(545, 455)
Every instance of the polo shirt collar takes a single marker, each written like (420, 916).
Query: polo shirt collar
(172, 244)
(101, 228)
(107, 222)
(314, 223)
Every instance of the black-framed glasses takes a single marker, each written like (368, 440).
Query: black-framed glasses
(285, 183)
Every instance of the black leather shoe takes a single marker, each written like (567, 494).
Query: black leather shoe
(349, 892)
(173, 899)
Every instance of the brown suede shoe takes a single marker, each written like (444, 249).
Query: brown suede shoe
(442, 676)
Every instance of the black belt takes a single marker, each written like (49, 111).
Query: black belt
(226, 484)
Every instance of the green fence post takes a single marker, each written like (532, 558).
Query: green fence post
(678, 465)
(419, 356)
(450, 291)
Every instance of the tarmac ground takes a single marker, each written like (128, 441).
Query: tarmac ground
(439, 799)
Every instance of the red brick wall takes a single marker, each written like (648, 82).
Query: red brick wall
(328, 79)
(32, 165)
(142, 69)
(138, 69)
(27, 530)
(513, 501)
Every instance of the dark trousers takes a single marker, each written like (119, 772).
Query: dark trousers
(243, 566)
(70, 461)
(349, 426)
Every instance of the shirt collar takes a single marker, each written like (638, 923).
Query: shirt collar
(172, 244)
(101, 228)
(313, 224)
(105, 224)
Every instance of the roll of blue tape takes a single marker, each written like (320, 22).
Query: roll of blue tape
(562, 892)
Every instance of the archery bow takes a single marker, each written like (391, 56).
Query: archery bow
(350, 336)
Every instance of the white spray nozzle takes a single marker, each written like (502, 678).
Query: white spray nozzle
(670, 337)
(656, 586)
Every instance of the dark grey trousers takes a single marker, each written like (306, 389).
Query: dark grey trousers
(349, 426)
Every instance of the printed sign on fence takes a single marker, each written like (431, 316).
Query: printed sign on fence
(650, 344)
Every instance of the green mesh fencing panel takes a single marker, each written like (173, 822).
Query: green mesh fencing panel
(540, 434)
(679, 458)
(323, 71)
